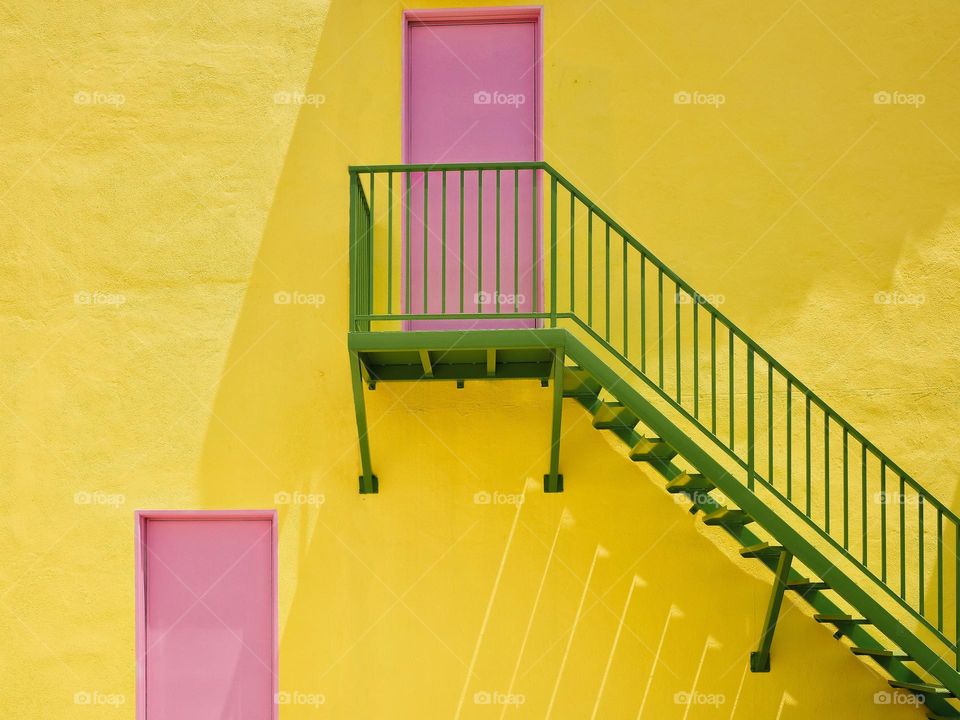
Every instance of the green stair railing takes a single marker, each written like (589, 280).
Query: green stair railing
(413, 225)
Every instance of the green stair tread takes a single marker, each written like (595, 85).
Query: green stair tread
(651, 448)
(686, 482)
(878, 653)
(804, 586)
(763, 550)
(577, 382)
(922, 688)
(727, 516)
(840, 619)
(614, 416)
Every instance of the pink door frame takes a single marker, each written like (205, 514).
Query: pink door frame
(478, 15)
(520, 13)
(141, 517)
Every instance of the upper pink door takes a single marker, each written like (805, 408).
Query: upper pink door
(472, 95)
(207, 644)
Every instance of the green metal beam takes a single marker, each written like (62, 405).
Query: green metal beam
(553, 481)
(368, 481)
(425, 362)
(760, 659)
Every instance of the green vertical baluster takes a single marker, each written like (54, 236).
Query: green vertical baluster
(443, 243)
(750, 419)
(863, 501)
(373, 231)
(660, 322)
(352, 252)
(590, 267)
(713, 374)
(883, 521)
(573, 258)
(770, 423)
(789, 439)
(497, 299)
(606, 286)
(846, 493)
(390, 243)
(643, 314)
(534, 243)
(626, 346)
(903, 541)
(553, 251)
(676, 320)
(920, 574)
(732, 441)
(809, 472)
(479, 240)
(461, 258)
(956, 592)
(696, 359)
(426, 241)
(826, 472)
(408, 308)
(939, 569)
(516, 240)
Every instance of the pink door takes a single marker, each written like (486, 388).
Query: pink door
(472, 95)
(206, 616)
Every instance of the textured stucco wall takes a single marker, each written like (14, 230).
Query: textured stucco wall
(156, 192)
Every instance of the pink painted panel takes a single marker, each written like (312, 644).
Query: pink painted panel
(472, 94)
(207, 605)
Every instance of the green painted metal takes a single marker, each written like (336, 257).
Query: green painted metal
(756, 469)
(553, 481)
(368, 481)
(582, 387)
(760, 658)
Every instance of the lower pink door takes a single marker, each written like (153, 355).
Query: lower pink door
(207, 646)
(472, 95)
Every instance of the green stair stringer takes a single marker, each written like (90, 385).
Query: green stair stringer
(819, 601)
(849, 588)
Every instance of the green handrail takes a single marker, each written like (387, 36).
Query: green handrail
(769, 410)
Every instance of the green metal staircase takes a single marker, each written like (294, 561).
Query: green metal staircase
(758, 455)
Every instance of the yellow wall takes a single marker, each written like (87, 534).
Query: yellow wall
(198, 197)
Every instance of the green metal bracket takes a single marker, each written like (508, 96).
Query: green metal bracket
(553, 481)
(368, 481)
(760, 658)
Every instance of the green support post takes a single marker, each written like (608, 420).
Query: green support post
(368, 481)
(760, 659)
(553, 482)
